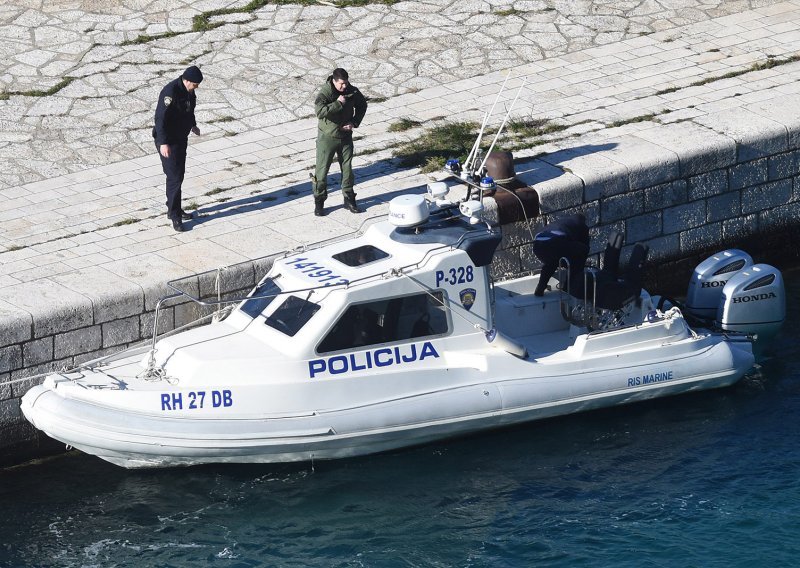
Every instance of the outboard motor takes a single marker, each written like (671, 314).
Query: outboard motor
(753, 301)
(709, 278)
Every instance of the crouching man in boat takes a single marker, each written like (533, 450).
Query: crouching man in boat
(340, 107)
(567, 237)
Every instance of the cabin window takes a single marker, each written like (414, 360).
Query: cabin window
(292, 315)
(386, 321)
(360, 256)
(262, 297)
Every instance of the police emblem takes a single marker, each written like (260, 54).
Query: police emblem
(167, 100)
(467, 297)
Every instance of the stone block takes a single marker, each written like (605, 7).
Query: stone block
(766, 196)
(592, 213)
(112, 296)
(601, 176)
(783, 216)
(782, 110)
(517, 234)
(10, 412)
(722, 207)
(739, 227)
(36, 374)
(699, 238)
(261, 266)
(665, 195)
(756, 135)
(99, 354)
(699, 148)
(643, 227)
(20, 386)
(558, 190)
(782, 166)
(231, 278)
(705, 185)
(618, 207)
(506, 262)
(10, 358)
(664, 247)
(5, 386)
(78, 341)
(600, 235)
(121, 331)
(648, 164)
(37, 351)
(54, 308)
(200, 256)
(683, 217)
(748, 174)
(166, 322)
(527, 258)
(16, 325)
(152, 272)
(190, 312)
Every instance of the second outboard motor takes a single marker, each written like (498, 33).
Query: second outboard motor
(709, 278)
(753, 301)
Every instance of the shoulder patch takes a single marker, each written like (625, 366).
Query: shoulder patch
(167, 101)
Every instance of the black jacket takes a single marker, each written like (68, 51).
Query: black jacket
(174, 114)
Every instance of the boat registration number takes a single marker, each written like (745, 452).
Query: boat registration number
(195, 400)
(459, 275)
(316, 271)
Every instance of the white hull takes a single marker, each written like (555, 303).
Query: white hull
(135, 440)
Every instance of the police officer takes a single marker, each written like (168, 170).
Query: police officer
(567, 237)
(174, 121)
(340, 107)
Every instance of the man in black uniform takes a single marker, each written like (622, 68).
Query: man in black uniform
(174, 121)
(567, 237)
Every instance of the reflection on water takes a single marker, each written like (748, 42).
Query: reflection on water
(702, 479)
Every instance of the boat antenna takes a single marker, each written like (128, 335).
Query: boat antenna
(496, 136)
(476, 143)
(473, 154)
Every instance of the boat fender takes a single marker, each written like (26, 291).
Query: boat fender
(497, 339)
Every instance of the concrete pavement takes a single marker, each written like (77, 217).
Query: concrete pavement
(248, 177)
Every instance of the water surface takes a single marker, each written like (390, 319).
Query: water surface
(707, 479)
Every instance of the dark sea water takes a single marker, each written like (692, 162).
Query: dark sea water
(708, 479)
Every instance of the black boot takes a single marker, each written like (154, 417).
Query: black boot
(350, 204)
(319, 210)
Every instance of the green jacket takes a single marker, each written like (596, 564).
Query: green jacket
(333, 115)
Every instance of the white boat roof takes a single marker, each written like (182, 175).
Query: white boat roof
(383, 247)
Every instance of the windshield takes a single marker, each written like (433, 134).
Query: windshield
(261, 297)
(292, 315)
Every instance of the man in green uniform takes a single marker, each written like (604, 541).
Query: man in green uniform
(340, 107)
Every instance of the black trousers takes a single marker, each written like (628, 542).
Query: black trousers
(549, 248)
(174, 168)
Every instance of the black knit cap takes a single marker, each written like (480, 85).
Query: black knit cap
(193, 74)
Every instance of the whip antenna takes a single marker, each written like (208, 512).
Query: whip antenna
(474, 152)
(502, 125)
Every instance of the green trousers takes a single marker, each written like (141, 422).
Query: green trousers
(327, 148)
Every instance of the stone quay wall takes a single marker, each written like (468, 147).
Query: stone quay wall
(696, 190)
(685, 189)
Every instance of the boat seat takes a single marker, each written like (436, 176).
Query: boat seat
(614, 291)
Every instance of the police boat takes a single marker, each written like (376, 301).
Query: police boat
(400, 336)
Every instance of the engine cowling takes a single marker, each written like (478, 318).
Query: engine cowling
(753, 301)
(709, 279)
